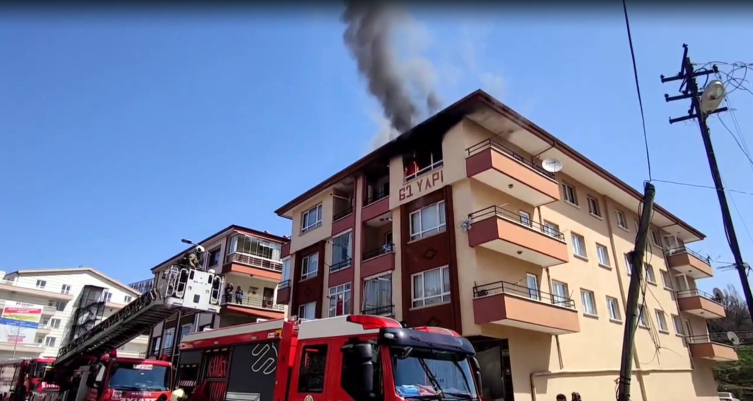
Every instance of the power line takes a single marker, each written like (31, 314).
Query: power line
(702, 186)
(637, 87)
(739, 145)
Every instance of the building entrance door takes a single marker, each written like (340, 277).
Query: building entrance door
(496, 374)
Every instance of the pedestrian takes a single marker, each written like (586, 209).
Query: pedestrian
(228, 293)
(239, 295)
(561, 397)
(576, 396)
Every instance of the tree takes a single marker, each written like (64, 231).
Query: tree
(735, 377)
(737, 319)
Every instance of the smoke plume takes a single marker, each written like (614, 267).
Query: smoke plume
(404, 88)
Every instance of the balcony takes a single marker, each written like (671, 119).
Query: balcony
(343, 219)
(254, 306)
(375, 205)
(378, 261)
(502, 231)
(14, 287)
(514, 305)
(688, 262)
(705, 347)
(283, 292)
(252, 265)
(499, 167)
(19, 348)
(49, 311)
(44, 330)
(388, 310)
(700, 304)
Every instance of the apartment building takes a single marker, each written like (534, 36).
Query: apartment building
(456, 224)
(72, 301)
(250, 260)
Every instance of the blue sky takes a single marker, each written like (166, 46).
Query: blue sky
(120, 135)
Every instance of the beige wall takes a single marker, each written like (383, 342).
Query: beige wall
(299, 241)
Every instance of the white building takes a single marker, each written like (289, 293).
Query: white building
(60, 292)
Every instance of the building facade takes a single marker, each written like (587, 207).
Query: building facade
(456, 224)
(72, 300)
(250, 260)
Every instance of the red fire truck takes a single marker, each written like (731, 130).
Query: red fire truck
(26, 377)
(348, 357)
(88, 368)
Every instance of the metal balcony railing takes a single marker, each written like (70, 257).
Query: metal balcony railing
(254, 302)
(387, 310)
(253, 261)
(682, 249)
(696, 293)
(502, 287)
(515, 218)
(284, 284)
(345, 212)
(382, 250)
(341, 265)
(376, 196)
(491, 143)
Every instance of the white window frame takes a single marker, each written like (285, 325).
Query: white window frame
(621, 221)
(593, 206)
(656, 238)
(54, 323)
(642, 316)
(41, 284)
(584, 296)
(532, 283)
(525, 218)
(677, 323)
(60, 305)
(305, 227)
(48, 343)
(666, 279)
(650, 273)
(602, 261)
(367, 293)
(127, 299)
(302, 310)
(334, 292)
(423, 233)
(661, 320)
(628, 265)
(551, 229)
(573, 236)
(572, 193)
(65, 289)
(613, 306)
(444, 293)
(305, 263)
(286, 269)
(559, 299)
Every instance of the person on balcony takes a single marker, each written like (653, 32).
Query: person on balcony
(239, 295)
(228, 293)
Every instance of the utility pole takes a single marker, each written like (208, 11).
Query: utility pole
(689, 90)
(632, 308)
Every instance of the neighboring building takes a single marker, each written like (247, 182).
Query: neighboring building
(250, 259)
(455, 224)
(72, 300)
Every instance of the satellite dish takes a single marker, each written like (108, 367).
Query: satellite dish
(718, 294)
(733, 337)
(551, 165)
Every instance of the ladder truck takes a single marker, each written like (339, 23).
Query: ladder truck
(88, 368)
(27, 373)
(352, 357)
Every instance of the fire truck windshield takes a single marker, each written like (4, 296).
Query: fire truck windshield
(431, 374)
(40, 369)
(128, 376)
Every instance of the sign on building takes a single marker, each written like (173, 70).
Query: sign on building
(19, 322)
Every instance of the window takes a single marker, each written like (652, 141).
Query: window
(525, 218)
(661, 319)
(589, 304)
(310, 266)
(255, 246)
(670, 242)
(341, 252)
(127, 298)
(185, 329)
(431, 287)
(427, 221)
(214, 257)
(65, 289)
(603, 254)
(55, 323)
(156, 342)
(642, 318)
(50, 302)
(678, 324)
(628, 264)
(560, 294)
(313, 363)
(621, 222)
(551, 229)
(45, 321)
(377, 298)
(339, 300)
(655, 237)
(307, 311)
(579, 245)
(570, 194)
(41, 283)
(60, 305)
(614, 309)
(593, 207)
(286, 269)
(532, 282)
(665, 279)
(650, 277)
(169, 337)
(50, 341)
(311, 218)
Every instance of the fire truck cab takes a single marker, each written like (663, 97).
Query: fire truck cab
(25, 378)
(342, 358)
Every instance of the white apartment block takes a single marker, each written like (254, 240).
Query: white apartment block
(59, 291)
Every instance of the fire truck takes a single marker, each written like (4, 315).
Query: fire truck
(359, 357)
(88, 367)
(26, 373)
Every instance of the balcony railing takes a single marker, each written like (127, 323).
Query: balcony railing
(682, 249)
(254, 261)
(342, 265)
(377, 196)
(696, 293)
(284, 284)
(434, 166)
(502, 287)
(382, 250)
(719, 338)
(254, 302)
(343, 213)
(491, 143)
(516, 218)
(388, 310)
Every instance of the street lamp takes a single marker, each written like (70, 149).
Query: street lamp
(712, 96)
